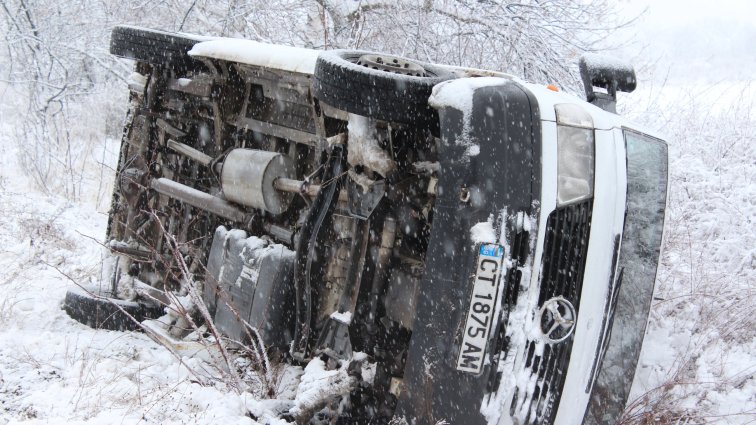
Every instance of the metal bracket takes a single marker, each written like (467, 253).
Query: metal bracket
(361, 204)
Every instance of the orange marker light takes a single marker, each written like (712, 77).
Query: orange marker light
(552, 87)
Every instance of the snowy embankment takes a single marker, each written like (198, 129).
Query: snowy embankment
(54, 370)
(698, 364)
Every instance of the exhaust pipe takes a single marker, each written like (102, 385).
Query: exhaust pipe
(199, 199)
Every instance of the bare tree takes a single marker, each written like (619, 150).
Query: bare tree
(539, 40)
(51, 58)
(55, 53)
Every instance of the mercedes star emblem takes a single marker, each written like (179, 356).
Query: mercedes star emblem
(557, 320)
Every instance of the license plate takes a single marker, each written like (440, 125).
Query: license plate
(480, 314)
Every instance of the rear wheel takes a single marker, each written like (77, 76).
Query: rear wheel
(383, 87)
(153, 46)
(97, 309)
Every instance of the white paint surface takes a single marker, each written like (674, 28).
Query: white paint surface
(294, 59)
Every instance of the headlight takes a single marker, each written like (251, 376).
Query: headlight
(575, 154)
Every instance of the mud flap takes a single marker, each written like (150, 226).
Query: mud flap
(502, 176)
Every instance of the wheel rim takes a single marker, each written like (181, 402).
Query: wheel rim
(392, 64)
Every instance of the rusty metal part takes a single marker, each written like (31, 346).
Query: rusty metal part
(283, 234)
(303, 188)
(200, 85)
(190, 152)
(199, 199)
(133, 253)
(169, 129)
(360, 238)
(296, 186)
(131, 184)
(275, 130)
(386, 249)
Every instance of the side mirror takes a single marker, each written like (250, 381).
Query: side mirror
(607, 73)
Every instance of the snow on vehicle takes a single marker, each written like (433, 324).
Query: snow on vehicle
(459, 244)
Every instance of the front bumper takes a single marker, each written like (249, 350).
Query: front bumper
(490, 162)
(569, 253)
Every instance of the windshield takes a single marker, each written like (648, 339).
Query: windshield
(633, 286)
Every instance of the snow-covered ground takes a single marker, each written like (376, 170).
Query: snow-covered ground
(54, 370)
(699, 359)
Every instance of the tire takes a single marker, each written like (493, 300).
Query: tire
(153, 46)
(344, 81)
(96, 310)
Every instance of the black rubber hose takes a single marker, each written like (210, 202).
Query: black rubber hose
(308, 246)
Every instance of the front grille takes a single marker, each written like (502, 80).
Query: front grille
(565, 247)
